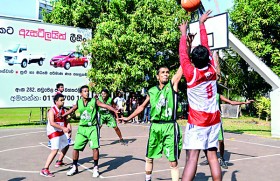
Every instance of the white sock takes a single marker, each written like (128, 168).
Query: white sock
(148, 177)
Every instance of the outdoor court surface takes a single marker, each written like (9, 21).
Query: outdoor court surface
(23, 153)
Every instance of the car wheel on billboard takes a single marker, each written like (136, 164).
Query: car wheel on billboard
(67, 65)
(41, 62)
(24, 63)
(85, 64)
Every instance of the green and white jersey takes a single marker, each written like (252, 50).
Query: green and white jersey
(88, 113)
(102, 110)
(163, 103)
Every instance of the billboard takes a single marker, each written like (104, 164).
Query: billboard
(34, 57)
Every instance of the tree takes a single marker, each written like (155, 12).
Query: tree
(131, 38)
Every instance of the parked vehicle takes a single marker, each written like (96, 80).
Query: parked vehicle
(69, 59)
(19, 54)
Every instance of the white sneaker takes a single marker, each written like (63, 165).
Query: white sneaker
(72, 171)
(95, 172)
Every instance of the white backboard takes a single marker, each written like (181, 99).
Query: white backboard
(217, 32)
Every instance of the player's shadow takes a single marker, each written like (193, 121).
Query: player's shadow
(17, 179)
(117, 162)
(118, 142)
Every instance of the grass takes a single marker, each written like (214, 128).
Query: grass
(244, 125)
(20, 117)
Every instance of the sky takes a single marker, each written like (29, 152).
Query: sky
(27, 8)
(223, 5)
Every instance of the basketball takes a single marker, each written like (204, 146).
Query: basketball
(190, 5)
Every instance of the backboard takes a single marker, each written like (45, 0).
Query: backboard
(217, 32)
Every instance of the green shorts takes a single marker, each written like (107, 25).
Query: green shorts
(221, 133)
(166, 138)
(108, 119)
(87, 134)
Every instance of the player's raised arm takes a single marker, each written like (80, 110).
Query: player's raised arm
(138, 110)
(176, 78)
(203, 33)
(106, 106)
(70, 111)
(184, 54)
(234, 102)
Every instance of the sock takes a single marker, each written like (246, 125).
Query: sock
(148, 177)
(75, 162)
(175, 173)
(95, 163)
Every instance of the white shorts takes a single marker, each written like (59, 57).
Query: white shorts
(201, 138)
(59, 142)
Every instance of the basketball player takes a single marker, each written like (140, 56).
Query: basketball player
(88, 129)
(222, 161)
(203, 125)
(56, 127)
(165, 134)
(105, 117)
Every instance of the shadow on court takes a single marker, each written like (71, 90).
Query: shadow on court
(24, 151)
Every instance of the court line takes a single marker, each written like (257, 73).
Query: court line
(236, 160)
(86, 168)
(19, 148)
(21, 134)
(259, 144)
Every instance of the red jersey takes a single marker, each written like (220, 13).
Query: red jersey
(52, 131)
(201, 84)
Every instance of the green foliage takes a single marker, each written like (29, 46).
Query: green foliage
(256, 24)
(263, 106)
(127, 36)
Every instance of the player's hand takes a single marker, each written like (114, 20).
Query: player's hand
(124, 119)
(183, 27)
(249, 101)
(190, 38)
(205, 16)
(66, 130)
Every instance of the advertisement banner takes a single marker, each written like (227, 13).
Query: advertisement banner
(34, 57)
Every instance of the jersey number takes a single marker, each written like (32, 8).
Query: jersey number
(209, 91)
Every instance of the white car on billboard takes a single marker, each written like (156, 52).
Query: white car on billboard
(19, 54)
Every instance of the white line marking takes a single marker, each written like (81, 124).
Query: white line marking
(86, 168)
(20, 171)
(256, 157)
(253, 143)
(21, 134)
(19, 148)
(139, 173)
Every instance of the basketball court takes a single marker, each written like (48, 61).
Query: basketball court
(24, 151)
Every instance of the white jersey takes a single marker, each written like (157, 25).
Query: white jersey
(52, 131)
(120, 102)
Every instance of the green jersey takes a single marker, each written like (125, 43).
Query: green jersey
(102, 110)
(88, 113)
(163, 103)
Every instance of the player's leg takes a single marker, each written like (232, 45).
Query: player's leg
(59, 162)
(154, 148)
(79, 145)
(212, 144)
(191, 165)
(172, 145)
(45, 171)
(214, 164)
(222, 148)
(111, 123)
(93, 136)
(149, 168)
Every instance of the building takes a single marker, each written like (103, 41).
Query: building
(29, 9)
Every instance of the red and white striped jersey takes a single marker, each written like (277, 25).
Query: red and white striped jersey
(201, 86)
(52, 131)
